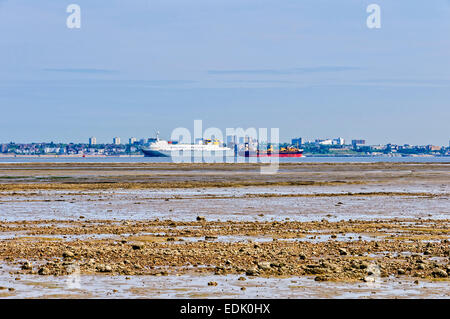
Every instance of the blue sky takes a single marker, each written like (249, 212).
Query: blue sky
(311, 68)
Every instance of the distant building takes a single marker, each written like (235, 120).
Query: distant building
(338, 141)
(433, 148)
(392, 147)
(92, 140)
(116, 140)
(324, 142)
(51, 150)
(297, 141)
(132, 140)
(356, 143)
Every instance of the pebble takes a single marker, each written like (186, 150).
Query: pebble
(44, 271)
(321, 278)
(439, 273)
(252, 272)
(363, 265)
(265, 265)
(68, 254)
(104, 268)
(212, 283)
(27, 266)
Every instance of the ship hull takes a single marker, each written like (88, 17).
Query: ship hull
(254, 154)
(182, 153)
(154, 153)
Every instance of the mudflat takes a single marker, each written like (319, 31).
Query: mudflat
(23, 176)
(310, 230)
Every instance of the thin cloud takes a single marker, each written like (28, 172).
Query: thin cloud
(256, 81)
(82, 70)
(408, 82)
(319, 69)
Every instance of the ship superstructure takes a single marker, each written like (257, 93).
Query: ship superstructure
(163, 148)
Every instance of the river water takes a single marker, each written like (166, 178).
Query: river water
(312, 159)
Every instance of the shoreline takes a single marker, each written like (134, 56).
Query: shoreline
(142, 156)
(65, 156)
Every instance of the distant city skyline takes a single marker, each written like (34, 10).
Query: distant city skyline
(311, 68)
(143, 147)
(329, 141)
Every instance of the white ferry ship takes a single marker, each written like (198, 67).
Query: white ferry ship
(162, 148)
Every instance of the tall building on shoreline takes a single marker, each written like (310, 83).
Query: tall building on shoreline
(116, 140)
(92, 141)
(356, 143)
(297, 141)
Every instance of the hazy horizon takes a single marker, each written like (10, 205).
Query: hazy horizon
(311, 68)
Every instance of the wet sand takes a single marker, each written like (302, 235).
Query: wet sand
(224, 230)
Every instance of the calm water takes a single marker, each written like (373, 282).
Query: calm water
(112, 159)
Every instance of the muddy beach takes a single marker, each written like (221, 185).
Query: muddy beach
(224, 230)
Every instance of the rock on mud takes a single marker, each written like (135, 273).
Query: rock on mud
(104, 268)
(321, 278)
(264, 265)
(439, 273)
(401, 271)
(44, 271)
(27, 266)
(252, 272)
(68, 254)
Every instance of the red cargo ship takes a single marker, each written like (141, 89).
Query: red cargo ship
(289, 151)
